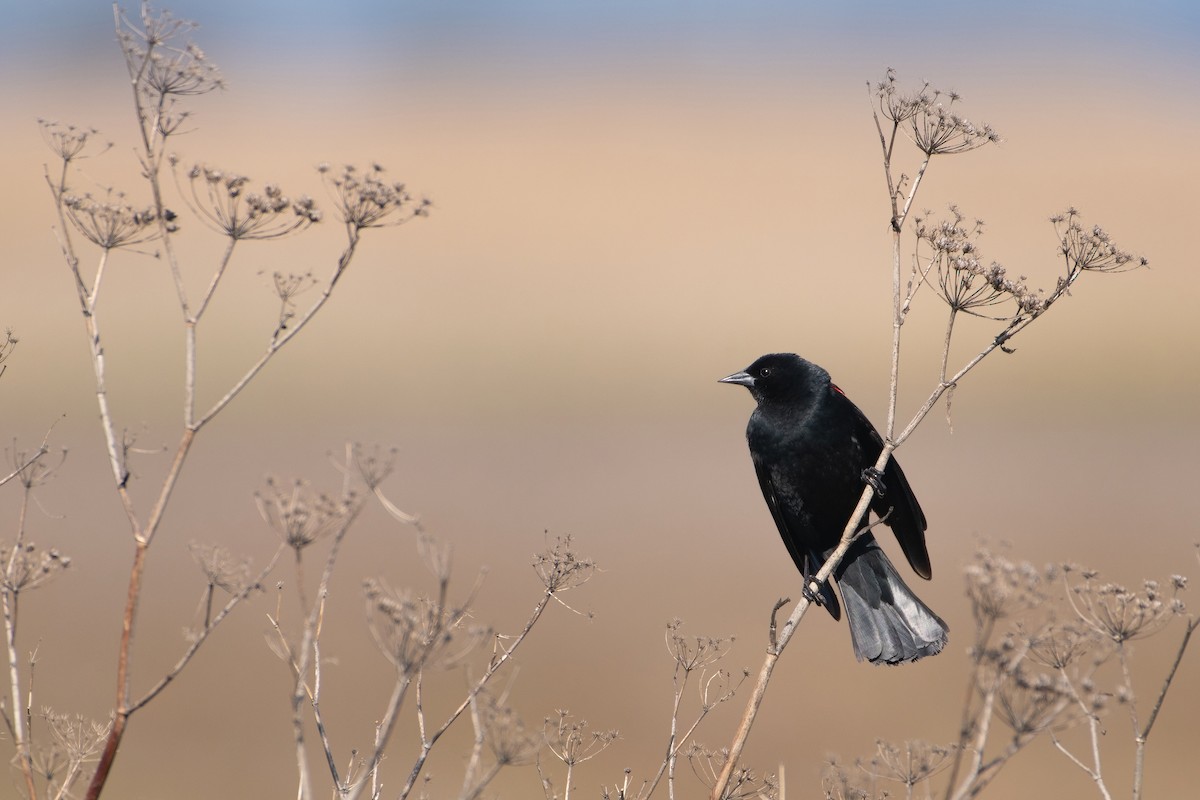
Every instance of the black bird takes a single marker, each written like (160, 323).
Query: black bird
(812, 449)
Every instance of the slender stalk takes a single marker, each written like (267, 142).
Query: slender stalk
(493, 667)
(276, 344)
(8, 597)
(1140, 738)
(209, 628)
(121, 712)
(668, 764)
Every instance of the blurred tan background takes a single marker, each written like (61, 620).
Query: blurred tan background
(631, 202)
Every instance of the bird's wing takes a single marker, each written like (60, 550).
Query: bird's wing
(907, 520)
(805, 562)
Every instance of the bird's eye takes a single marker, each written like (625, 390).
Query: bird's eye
(765, 372)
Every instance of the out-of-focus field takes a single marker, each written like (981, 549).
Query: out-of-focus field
(609, 238)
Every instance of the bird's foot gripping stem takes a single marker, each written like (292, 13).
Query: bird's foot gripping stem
(812, 591)
(874, 478)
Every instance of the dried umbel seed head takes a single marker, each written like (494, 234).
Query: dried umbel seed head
(570, 740)
(1120, 614)
(695, 652)
(908, 763)
(226, 203)
(415, 632)
(929, 118)
(298, 514)
(221, 569)
(561, 568)
(26, 566)
(1091, 249)
(68, 142)
(964, 281)
(365, 199)
(165, 70)
(111, 223)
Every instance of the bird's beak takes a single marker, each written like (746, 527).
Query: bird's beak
(740, 378)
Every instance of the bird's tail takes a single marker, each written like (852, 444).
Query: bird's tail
(888, 623)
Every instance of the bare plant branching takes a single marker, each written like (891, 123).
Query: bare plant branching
(1050, 661)
(946, 256)
(166, 71)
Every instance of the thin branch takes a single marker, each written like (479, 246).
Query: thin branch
(203, 635)
(494, 666)
(279, 341)
(1142, 736)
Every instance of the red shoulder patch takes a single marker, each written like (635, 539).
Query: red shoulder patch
(838, 389)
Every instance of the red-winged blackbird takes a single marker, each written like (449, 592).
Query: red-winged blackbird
(812, 449)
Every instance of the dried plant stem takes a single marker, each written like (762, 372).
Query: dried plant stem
(668, 764)
(892, 440)
(427, 742)
(278, 342)
(209, 627)
(307, 650)
(1140, 737)
(29, 462)
(983, 636)
(785, 633)
(469, 791)
(19, 723)
(121, 711)
(1094, 771)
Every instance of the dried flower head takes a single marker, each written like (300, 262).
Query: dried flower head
(1120, 614)
(570, 740)
(68, 142)
(1031, 705)
(27, 567)
(364, 199)
(373, 465)
(1090, 249)
(909, 763)
(80, 738)
(933, 124)
(417, 632)
(743, 783)
(506, 736)
(221, 569)
(112, 223)
(840, 783)
(227, 205)
(697, 652)
(938, 130)
(1059, 645)
(561, 568)
(161, 68)
(32, 468)
(964, 281)
(298, 514)
(896, 105)
(7, 344)
(998, 587)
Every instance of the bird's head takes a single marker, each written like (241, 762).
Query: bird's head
(780, 377)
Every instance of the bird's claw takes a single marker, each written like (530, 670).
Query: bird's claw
(874, 478)
(812, 591)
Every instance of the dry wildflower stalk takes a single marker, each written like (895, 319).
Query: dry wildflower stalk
(418, 634)
(929, 120)
(25, 567)
(165, 71)
(744, 784)
(560, 569)
(1035, 675)
(569, 740)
